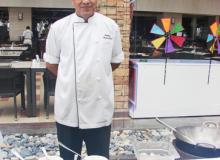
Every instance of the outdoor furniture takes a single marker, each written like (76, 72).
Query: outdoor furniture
(49, 89)
(14, 52)
(25, 69)
(12, 84)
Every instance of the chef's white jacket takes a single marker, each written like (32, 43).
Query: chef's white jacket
(27, 34)
(84, 95)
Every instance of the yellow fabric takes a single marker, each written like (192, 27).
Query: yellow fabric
(211, 49)
(158, 42)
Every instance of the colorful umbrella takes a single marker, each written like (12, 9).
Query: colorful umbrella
(167, 35)
(214, 38)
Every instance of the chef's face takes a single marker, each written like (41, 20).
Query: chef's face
(85, 8)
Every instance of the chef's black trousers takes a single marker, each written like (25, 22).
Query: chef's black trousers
(97, 140)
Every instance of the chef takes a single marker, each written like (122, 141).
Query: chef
(83, 49)
(27, 36)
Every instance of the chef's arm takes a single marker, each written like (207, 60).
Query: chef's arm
(115, 66)
(52, 68)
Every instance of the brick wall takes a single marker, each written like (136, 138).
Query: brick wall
(119, 10)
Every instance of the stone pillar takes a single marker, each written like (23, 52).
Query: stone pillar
(217, 19)
(194, 24)
(17, 26)
(177, 18)
(119, 10)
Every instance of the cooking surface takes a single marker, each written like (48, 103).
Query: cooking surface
(186, 156)
(201, 134)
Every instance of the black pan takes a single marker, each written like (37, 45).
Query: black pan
(200, 141)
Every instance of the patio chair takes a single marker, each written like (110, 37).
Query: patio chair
(12, 84)
(49, 89)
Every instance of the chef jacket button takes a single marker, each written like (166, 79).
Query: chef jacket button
(79, 99)
(98, 59)
(98, 78)
(99, 97)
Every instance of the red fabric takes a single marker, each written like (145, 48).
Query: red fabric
(178, 40)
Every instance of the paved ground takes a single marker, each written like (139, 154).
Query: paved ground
(118, 124)
(40, 124)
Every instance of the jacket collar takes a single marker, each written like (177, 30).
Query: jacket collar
(77, 19)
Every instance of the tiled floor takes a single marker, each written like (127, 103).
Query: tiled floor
(7, 110)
